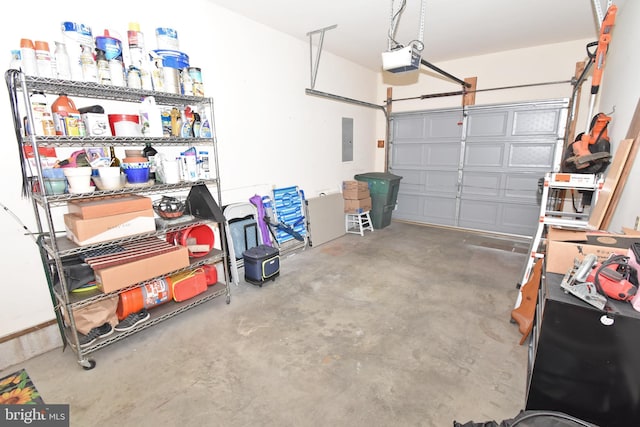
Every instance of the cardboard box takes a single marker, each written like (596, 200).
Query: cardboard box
(352, 185)
(95, 230)
(355, 193)
(120, 276)
(563, 246)
(97, 207)
(357, 206)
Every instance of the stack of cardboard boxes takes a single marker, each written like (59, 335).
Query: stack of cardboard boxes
(101, 219)
(357, 198)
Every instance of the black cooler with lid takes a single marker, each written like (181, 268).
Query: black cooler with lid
(261, 263)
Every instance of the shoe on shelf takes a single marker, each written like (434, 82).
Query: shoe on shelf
(98, 332)
(132, 320)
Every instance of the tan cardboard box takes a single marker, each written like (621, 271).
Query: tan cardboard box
(355, 193)
(357, 206)
(96, 207)
(350, 185)
(120, 276)
(563, 246)
(95, 230)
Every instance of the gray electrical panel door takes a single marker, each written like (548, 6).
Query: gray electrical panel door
(478, 170)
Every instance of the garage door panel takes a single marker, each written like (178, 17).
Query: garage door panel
(411, 127)
(488, 124)
(413, 179)
(532, 155)
(439, 210)
(516, 217)
(485, 155)
(479, 213)
(408, 154)
(441, 182)
(538, 122)
(443, 154)
(444, 127)
(410, 205)
(481, 184)
(521, 186)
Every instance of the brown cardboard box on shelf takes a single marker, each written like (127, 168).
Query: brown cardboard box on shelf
(95, 230)
(120, 276)
(354, 184)
(563, 246)
(96, 207)
(355, 190)
(357, 206)
(355, 194)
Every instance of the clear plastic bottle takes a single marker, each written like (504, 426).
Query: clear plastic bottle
(185, 130)
(134, 80)
(89, 67)
(63, 67)
(205, 127)
(104, 72)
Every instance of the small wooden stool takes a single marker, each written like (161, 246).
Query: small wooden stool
(356, 223)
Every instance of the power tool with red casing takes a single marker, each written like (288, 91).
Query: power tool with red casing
(591, 150)
(614, 278)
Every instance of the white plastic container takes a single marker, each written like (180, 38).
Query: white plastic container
(150, 118)
(28, 55)
(43, 59)
(63, 68)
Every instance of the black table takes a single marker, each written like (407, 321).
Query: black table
(584, 362)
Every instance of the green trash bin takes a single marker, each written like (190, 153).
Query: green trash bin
(383, 187)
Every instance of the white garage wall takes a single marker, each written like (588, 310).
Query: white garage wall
(620, 90)
(270, 132)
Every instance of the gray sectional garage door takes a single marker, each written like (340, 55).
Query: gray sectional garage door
(479, 170)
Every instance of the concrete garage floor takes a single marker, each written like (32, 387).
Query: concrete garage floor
(406, 326)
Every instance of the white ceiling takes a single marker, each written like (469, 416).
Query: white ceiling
(453, 28)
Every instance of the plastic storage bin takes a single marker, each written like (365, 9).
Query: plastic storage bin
(383, 187)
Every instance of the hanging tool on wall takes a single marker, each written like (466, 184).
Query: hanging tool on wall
(590, 152)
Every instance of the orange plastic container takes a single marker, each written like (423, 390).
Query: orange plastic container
(147, 296)
(188, 284)
(211, 273)
(66, 116)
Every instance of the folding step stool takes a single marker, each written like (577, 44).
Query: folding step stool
(357, 223)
